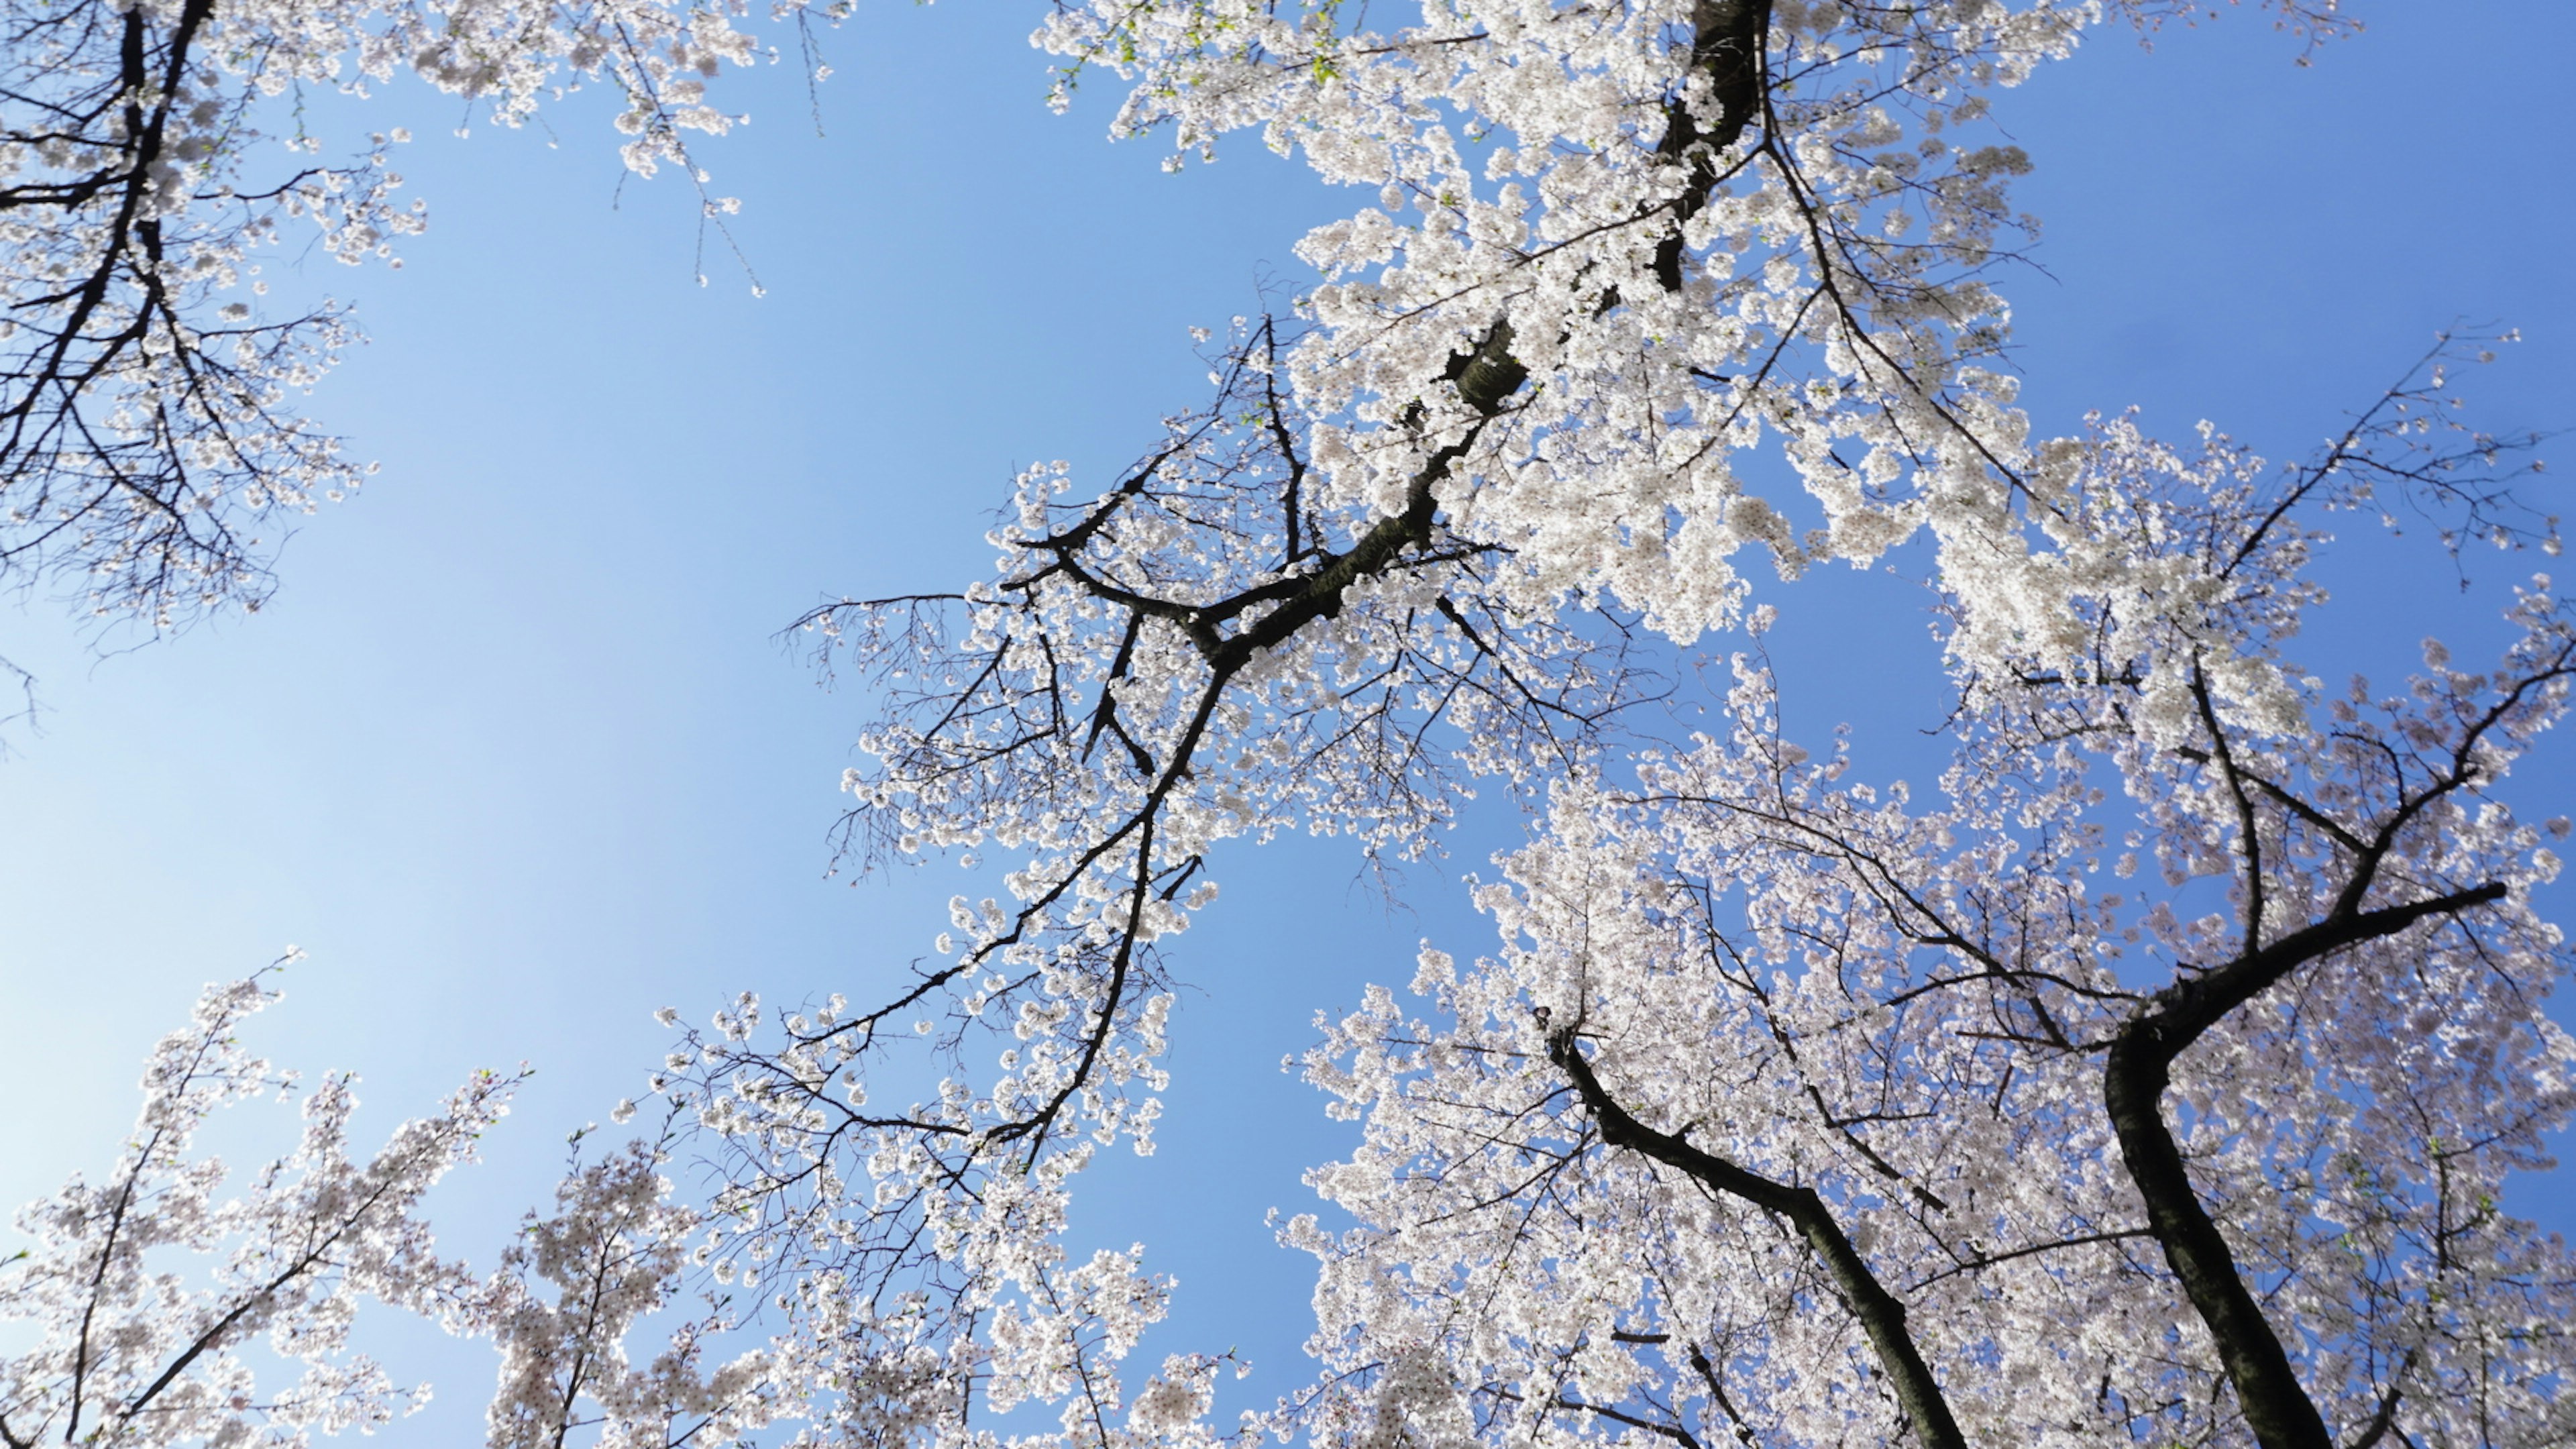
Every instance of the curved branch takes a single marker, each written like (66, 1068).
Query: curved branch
(1881, 1315)
(2276, 1407)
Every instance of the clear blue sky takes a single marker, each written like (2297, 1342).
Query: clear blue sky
(515, 756)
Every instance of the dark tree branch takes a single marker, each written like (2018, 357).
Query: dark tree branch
(2134, 1079)
(1881, 1315)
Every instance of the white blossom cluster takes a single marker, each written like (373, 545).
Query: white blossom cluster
(615, 1252)
(877, 1277)
(157, 1301)
(906, 1266)
(132, 1348)
(147, 428)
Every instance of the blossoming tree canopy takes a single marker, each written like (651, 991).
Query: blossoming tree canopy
(1660, 199)
(145, 378)
(1872, 1085)
(1795, 1107)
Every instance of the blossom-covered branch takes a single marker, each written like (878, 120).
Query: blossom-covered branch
(132, 1351)
(150, 450)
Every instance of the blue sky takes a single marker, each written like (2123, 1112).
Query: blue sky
(515, 753)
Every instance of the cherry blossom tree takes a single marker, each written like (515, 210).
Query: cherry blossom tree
(1796, 1106)
(148, 162)
(1798, 1109)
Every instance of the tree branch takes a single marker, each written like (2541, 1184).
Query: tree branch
(2276, 1407)
(1881, 1315)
